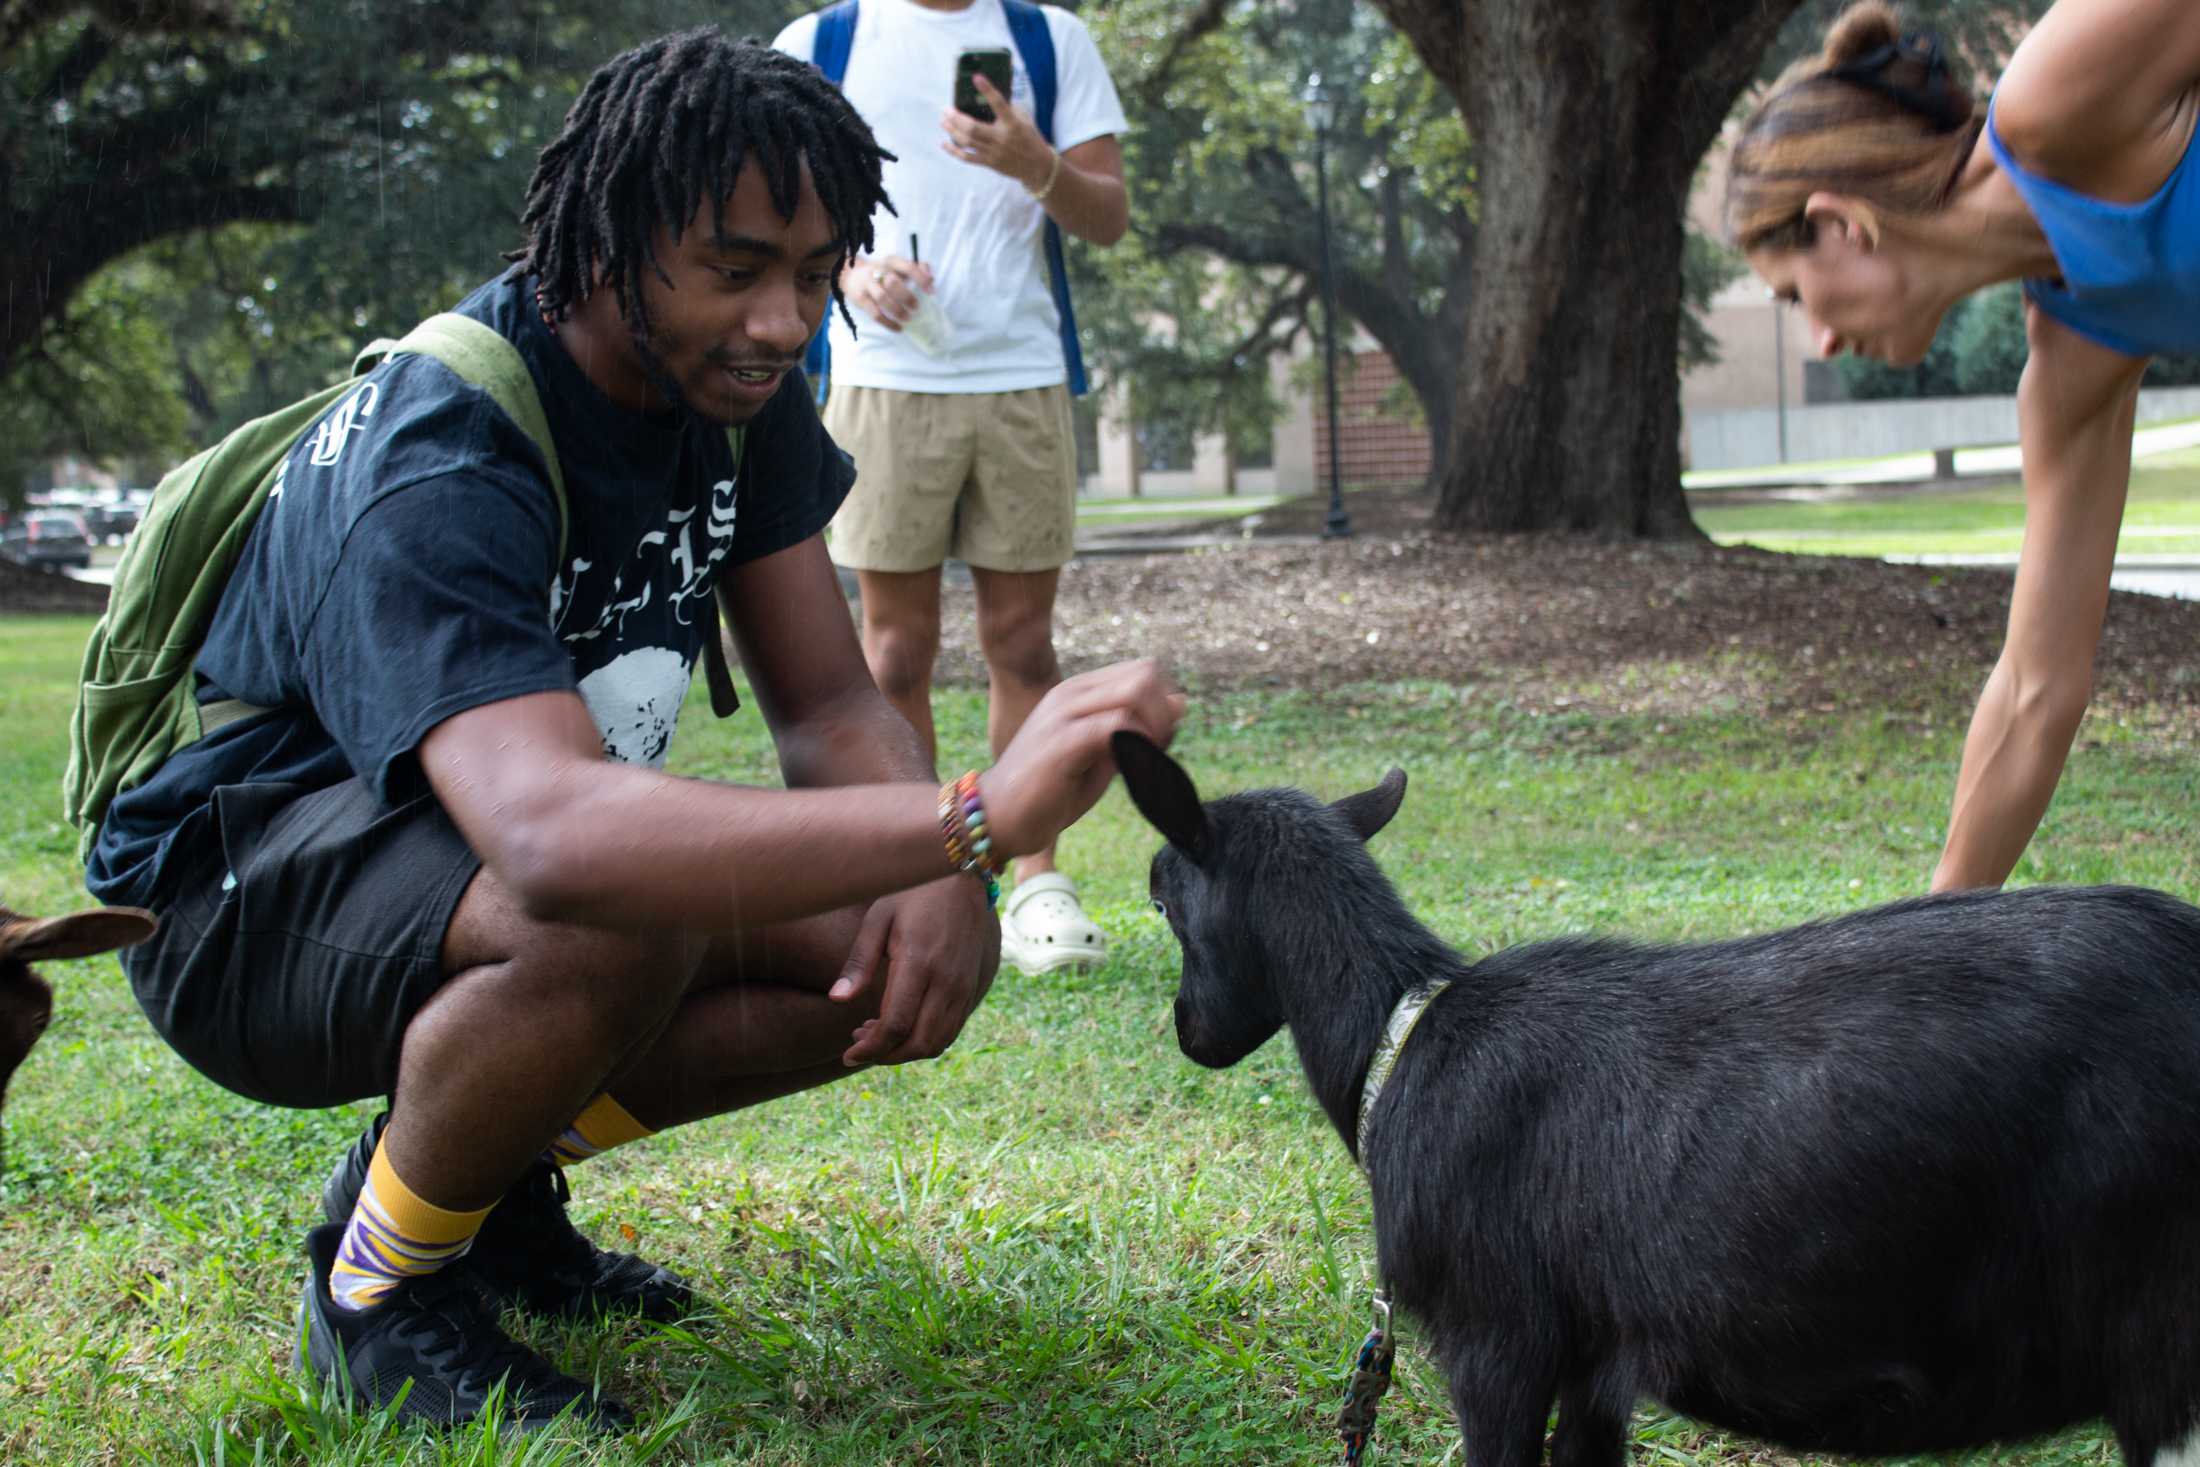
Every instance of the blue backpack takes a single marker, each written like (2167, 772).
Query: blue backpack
(836, 36)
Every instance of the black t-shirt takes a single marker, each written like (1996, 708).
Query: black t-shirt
(406, 569)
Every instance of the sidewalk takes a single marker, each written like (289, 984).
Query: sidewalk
(1099, 544)
(1141, 506)
(2150, 575)
(1912, 468)
(1105, 523)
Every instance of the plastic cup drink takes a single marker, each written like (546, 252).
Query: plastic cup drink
(927, 328)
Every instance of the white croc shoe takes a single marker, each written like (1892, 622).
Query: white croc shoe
(1044, 926)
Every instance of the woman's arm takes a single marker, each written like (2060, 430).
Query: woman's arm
(2099, 95)
(2075, 407)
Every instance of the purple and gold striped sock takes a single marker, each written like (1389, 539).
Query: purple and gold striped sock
(393, 1236)
(603, 1125)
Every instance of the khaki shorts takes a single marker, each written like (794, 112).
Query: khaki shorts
(989, 478)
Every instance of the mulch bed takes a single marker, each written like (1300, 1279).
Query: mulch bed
(1578, 623)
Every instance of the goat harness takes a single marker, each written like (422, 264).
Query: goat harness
(1371, 1367)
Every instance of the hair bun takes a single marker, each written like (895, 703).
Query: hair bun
(1861, 29)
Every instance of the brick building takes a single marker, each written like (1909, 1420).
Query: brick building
(1381, 440)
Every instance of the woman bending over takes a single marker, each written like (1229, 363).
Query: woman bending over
(1871, 189)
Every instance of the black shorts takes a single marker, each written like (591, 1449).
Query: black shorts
(299, 936)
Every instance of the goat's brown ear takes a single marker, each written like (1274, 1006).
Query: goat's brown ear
(1163, 793)
(79, 935)
(1370, 810)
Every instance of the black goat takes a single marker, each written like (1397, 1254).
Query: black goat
(1914, 1179)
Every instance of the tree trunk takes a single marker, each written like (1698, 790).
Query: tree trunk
(1567, 413)
(1429, 362)
(1588, 118)
(1439, 442)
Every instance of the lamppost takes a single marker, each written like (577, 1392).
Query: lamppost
(1780, 367)
(1321, 111)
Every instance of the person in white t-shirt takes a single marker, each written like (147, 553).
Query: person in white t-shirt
(960, 424)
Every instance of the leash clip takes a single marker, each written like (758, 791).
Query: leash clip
(1370, 1379)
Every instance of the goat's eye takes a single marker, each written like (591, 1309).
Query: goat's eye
(1161, 906)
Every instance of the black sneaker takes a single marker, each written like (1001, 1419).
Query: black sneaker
(433, 1342)
(528, 1253)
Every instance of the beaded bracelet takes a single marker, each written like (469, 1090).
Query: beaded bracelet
(963, 830)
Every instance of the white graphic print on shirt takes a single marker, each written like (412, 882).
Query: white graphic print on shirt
(635, 696)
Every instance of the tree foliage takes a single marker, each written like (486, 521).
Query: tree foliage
(1979, 351)
(273, 182)
(1984, 342)
(1221, 270)
(208, 204)
(86, 388)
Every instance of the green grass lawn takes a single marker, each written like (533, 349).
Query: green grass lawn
(2162, 517)
(1061, 1243)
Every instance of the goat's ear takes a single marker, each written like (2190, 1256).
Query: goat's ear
(79, 935)
(1163, 792)
(1370, 810)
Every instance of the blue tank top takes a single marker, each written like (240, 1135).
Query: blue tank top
(2130, 272)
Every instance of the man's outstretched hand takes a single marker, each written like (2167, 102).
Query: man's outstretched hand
(1059, 763)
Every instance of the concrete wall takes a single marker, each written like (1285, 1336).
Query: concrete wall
(1293, 451)
(1750, 437)
(1759, 343)
(1119, 472)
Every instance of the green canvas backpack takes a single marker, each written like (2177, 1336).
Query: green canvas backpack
(137, 701)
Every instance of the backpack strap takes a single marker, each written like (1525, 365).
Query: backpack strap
(481, 356)
(834, 39)
(1027, 26)
(724, 700)
(830, 44)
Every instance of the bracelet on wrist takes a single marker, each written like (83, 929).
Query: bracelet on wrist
(963, 831)
(1054, 172)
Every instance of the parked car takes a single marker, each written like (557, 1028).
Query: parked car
(109, 520)
(48, 538)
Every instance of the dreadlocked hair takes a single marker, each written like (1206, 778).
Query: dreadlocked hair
(663, 127)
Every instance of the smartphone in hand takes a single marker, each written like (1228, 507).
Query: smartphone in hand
(994, 65)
